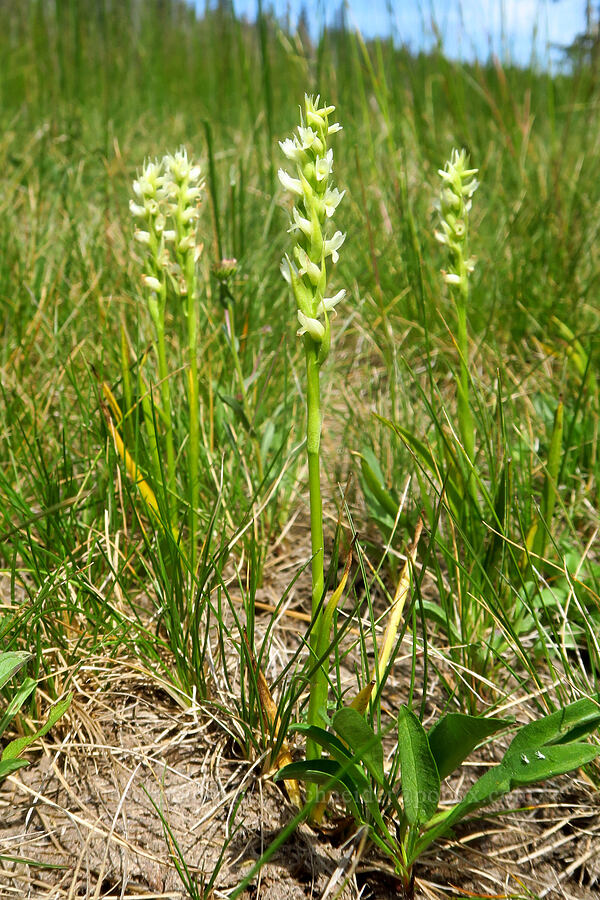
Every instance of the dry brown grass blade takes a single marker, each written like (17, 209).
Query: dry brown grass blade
(346, 867)
(272, 723)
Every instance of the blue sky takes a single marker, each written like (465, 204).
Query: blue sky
(469, 27)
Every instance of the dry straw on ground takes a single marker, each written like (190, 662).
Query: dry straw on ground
(83, 805)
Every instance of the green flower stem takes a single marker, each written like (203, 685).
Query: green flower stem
(465, 415)
(165, 392)
(181, 187)
(318, 684)
(165, 202)
(194, 427)
(313, 444)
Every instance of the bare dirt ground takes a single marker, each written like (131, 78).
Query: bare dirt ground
(87, 805)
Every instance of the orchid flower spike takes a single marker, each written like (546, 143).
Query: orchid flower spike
(165, 205)
(458, 186)
(316, 201)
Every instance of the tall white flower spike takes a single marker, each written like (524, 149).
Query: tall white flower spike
(315, 203)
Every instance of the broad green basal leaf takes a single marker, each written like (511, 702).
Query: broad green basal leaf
(420, 777)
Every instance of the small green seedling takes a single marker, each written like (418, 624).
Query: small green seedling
(354, 767)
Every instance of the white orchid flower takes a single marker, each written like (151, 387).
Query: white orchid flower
(300, 223)
(307, 266)
(291, 184)
(291, 149)
(311, 326)
(331, 247)
(328, 304)
(324, 166)
(332, 199)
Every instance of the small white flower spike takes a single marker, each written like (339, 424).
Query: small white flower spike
(166, 202)
(453, 205)
(459, 185)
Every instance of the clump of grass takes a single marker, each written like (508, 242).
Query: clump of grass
(355, 761)
(465, 474)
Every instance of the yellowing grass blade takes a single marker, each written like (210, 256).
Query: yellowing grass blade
(361, 701)
(397, 608)
(112, 402)
(331, 606)
(271, 719)
(131, 466)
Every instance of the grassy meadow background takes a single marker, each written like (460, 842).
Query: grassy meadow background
(91, 585)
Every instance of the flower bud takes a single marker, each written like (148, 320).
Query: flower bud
(225, 269)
